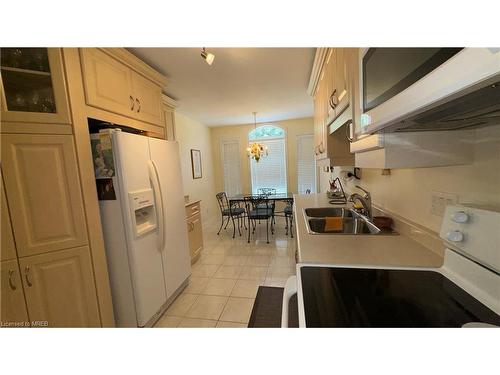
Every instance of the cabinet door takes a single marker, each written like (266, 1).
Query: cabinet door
(330, 83)
(195, 235)
(108, 82)
(354, 72)
(43, 192)
(12, 302)
(147, 96)
(8, 250)
(33, 87)
(60, 289)
(342, 96)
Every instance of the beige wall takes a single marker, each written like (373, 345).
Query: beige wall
(407, 192)
(192, 134)
(293, 128)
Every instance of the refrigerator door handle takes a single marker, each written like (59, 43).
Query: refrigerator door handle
(153, 176)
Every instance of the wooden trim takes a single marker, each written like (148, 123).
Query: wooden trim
(101, 114)
(79, 113)
(31, 128)
(168, 101)
(137, 64)
(316, 71)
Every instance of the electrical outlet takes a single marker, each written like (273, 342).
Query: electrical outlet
(439, 201)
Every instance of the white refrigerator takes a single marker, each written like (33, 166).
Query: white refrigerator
(141, 203)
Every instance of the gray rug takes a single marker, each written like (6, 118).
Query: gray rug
(266, 312)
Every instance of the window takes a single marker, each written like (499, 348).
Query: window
(231, 167)
(270, 171)
(306, 164)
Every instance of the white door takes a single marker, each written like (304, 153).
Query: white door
(176, 259)
(132, 154)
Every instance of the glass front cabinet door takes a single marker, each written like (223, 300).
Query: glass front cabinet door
(33, 89)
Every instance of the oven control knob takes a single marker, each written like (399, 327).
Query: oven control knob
(455, 236)
(460, 217)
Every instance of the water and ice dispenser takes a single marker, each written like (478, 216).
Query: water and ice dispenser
(143, 213)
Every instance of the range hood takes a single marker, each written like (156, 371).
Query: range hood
(474, 107)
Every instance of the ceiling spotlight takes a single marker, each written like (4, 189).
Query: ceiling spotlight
(208, 57)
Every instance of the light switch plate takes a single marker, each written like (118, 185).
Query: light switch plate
(439, 201)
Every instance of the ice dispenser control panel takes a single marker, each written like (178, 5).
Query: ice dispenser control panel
(142, 206)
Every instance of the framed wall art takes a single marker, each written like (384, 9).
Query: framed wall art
(196, 163)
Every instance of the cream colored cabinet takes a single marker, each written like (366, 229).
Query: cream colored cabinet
(320, 120)
(195, 231)
(331, 100)
(60, 289)
(108, 82)
(340, 95)
(8, 250)
(33, 87)
(111, 84)
(43, 191)
(147, 99)
(168, 111)
(13, 306)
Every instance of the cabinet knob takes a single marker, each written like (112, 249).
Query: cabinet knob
(455, 236)
(460, 217)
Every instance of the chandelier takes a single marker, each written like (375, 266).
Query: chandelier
(256, 150)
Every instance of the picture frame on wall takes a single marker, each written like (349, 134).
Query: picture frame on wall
(196, 163)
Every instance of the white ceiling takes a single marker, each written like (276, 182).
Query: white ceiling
(270, 81)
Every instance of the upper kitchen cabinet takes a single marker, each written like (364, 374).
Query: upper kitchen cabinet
(329, 85)
(33, 88)
(118, 82)
(43, 192)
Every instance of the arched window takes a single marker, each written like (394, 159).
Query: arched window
(270, 171)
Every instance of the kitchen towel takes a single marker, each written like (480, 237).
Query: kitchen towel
(333, 224)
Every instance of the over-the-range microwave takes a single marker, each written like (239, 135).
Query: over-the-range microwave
(422, 89)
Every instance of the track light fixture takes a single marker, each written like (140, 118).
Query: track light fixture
(208, 57)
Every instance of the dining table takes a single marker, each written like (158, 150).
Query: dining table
(275, 197)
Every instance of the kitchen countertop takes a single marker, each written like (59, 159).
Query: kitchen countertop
(382, 250)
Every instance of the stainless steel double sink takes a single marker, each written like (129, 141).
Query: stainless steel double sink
(352, 222)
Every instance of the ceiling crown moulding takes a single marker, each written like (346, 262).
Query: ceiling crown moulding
(167, 100)
(319, 59)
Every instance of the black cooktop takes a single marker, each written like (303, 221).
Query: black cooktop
(354, 297)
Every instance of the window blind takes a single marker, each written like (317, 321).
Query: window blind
(306, 164)
(270, 171)
(231, 166)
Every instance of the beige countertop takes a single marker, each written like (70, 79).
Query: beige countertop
(384, 250)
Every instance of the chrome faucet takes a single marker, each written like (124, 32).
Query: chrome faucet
(365, 200)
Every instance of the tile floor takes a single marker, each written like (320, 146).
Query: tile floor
(225, 279)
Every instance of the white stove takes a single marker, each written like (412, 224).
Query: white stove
(465, 291)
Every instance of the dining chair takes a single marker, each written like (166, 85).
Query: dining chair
(287, 213)
(259, 208)
(230, 210)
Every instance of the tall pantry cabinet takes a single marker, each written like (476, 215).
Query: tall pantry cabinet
(47, 269)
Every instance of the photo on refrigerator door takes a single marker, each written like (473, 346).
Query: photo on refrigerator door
(102, 155)
(105, 189)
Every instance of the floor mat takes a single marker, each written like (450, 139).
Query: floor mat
(266, 312)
